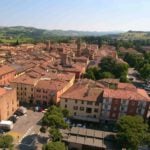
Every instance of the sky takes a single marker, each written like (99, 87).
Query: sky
(85, 15)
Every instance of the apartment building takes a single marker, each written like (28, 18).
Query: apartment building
(83, 102)
(119, 102)
(42, 90)
(8, 102)
(49, 90)
(25, 88)
(7, 74)
(100, 101)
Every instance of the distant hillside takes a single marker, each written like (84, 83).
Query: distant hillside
(133, 35)
(30, 33)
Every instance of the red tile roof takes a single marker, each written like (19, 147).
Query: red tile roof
(125, 94)
(6, 69)
(82, 92)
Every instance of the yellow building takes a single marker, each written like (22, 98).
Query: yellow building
(83, 102)
(25, 88)
(8, 102)
(39, 90)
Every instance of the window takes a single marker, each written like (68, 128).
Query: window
(115, 108)
(75, 113)
(122, 108)
(75, 107)
(82, 102)
(31, 89)
(82, 108)
(96, 110)
(89, 103)
(115, 101)
(96, 103)
(38, 90)
(76, 101)
(25, 88)
(66, 100)
(94, 116)
(105, 106)
(44, 91)
(88, 110)
(132, 103)
(113, 115)
(65, 106)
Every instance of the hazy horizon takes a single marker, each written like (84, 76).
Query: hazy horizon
(85, 15)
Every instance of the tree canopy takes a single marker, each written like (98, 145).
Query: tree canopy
(145, 71)
(108, 68)
(6, 141)
(132, 132)
(54, 117)
(55, 134)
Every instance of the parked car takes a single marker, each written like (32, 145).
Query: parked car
(21, 111)
(13, 118)
(6, 125)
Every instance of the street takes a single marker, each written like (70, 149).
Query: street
(26, 130)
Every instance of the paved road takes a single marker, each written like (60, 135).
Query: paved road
(27, 127)
(26, 122)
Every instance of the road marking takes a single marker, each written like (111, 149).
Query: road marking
(27, 133)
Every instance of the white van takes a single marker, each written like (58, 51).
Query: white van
(6, 125)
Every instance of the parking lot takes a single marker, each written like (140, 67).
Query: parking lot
(26, 129)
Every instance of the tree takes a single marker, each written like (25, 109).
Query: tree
(65, 113)
(107, 64)
(54, 146)
(145, 71)
(120, 69)
(90, 74)
(54, 118)
(93, 73)
(134, 60)
(110, 68)
(55, 134)
(132, 132)
(6, 141)
(107, 75)
(124, 79)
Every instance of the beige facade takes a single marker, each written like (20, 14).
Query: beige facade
(8, 103)
(83, 102)
(25, 88)
(82, 109)
(42, 90)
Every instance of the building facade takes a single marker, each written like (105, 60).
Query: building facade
(43, 90)
(8, 103)
(120, 102)
(83, 102)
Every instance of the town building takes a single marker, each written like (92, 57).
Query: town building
(83, 100)
(8, 102)
(44, 90)
(7, 74)
(25, 88)
(105, 100)
(119, 102)
(49, 88)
